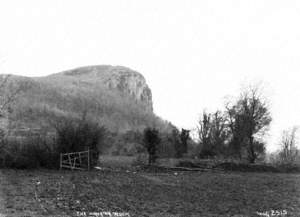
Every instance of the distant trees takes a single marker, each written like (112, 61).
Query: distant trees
(237, 132)
(151, 142)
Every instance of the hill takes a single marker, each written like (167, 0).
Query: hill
(115, 96)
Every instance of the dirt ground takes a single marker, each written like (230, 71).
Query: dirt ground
(66, 193)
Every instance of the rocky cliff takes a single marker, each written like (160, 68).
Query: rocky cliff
(123, 79)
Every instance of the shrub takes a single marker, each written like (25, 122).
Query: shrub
(75, 135)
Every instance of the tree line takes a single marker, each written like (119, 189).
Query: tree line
(237, 132)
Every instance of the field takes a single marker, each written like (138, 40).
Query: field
(64, 193)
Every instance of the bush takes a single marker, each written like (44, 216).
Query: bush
(29, 153)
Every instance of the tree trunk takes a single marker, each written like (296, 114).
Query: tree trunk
(252, 156)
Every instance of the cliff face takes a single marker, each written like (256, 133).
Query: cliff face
(131, 83)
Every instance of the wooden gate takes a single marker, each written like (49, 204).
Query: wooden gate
(75, 160)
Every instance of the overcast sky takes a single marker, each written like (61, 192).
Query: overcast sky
(192, 53)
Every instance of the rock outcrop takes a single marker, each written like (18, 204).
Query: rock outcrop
(132, 83)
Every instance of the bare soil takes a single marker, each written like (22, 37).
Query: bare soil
(64, 193)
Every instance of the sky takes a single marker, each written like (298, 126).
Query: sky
(194, 54)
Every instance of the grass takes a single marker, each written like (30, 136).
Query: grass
(149, 194)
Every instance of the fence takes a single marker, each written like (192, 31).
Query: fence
(75, 160)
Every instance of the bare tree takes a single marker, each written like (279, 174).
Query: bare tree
(204, 133)
(289, 152)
